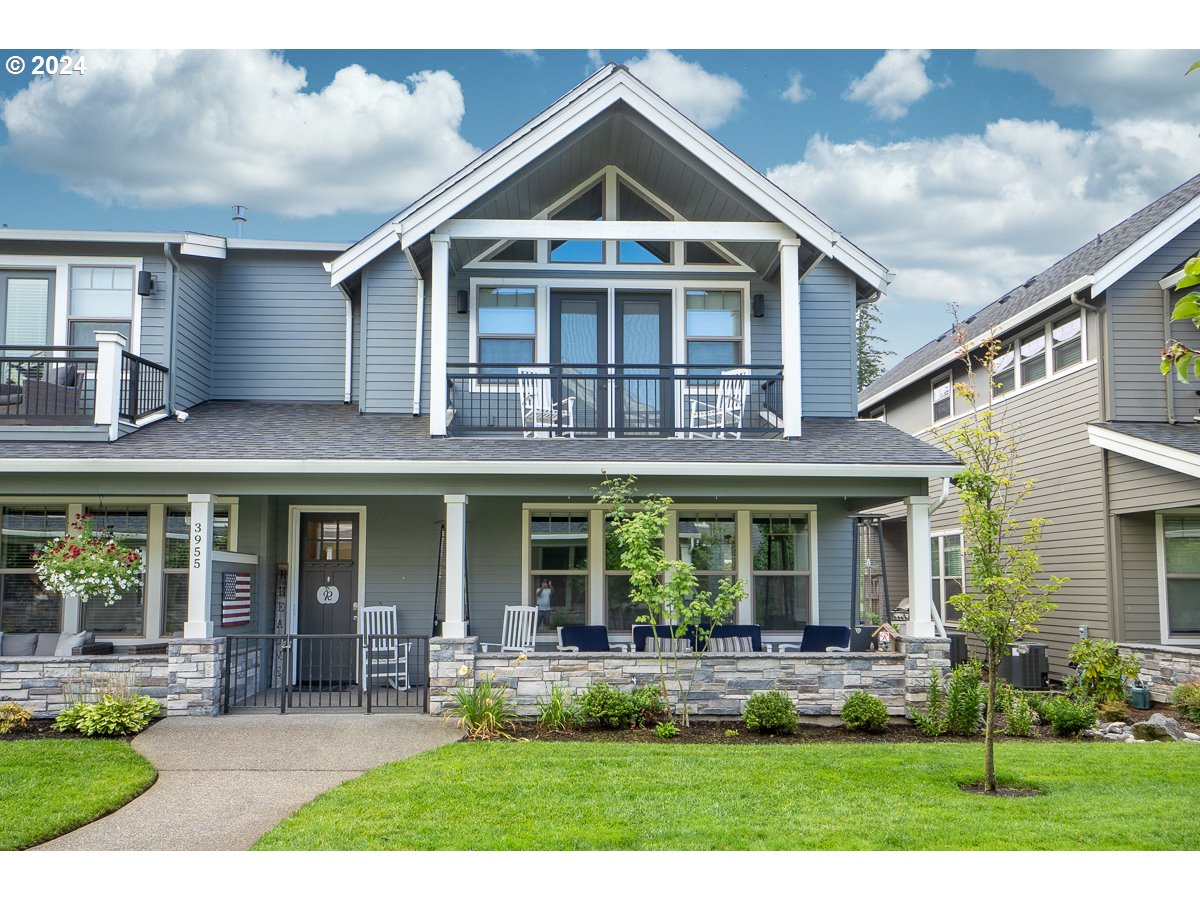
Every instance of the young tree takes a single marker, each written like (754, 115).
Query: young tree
(1177, 355)
(667, 588)
(871, 354)
(1005, 598)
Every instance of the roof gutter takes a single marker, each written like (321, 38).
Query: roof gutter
(419, 339)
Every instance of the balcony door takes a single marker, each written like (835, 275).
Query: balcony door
(622, 390)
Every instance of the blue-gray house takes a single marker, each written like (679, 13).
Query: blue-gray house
(419, 419)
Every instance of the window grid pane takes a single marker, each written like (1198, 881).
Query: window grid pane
(558, 562)
(126, 617)
(781, 563)
(25, 605)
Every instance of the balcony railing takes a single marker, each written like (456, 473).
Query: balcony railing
(47, 385)
(615, 401)
(143, 387)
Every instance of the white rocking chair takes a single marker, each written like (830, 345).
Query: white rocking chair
(384, 655)
(724, 414)
(539, 411)
(519, 632)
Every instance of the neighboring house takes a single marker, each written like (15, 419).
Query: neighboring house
(1113, 445)
(426, 413)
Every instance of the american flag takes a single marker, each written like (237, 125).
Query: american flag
(235, 598)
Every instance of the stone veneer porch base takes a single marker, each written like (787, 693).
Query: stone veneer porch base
(1166, 667)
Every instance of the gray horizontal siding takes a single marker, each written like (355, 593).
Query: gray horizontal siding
(278, 330)
(1139, 578)
(390, 297)
(154, 312)
(835, 541)
(191, 367)
(1135, 486)
(827, 350)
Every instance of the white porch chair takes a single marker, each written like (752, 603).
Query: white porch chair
(384, 655)
(519, 631)
(538, 407)
(729, 405)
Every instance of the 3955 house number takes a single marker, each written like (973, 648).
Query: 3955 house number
(197, 544)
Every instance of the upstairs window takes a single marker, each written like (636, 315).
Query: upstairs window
(101, 300)
(587, 207)
(506, 325)
(713, 321)
(1004, 371)
(942, 399)
(1033, 358)
(1066, 336)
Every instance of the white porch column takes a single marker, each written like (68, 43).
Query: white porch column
(109, 346)
(455, 623)
(439, 311)
(199, 622)
(920, 571)
(789, 324)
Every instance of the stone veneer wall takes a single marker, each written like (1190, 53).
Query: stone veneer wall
(1166, 667)
(818, 683)
(194, 672)
(47, 685)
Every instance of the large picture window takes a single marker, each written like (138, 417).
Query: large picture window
(947, 567)
(25, 606)
(177, 523)
(782, 571)
(126, 617)
(506, 325)
(1181, 562)
(713, 320)
(708, 543)
(558, 568)
(101, 300)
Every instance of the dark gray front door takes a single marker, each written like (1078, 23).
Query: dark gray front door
(328, 599)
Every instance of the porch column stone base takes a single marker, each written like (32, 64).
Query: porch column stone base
(195, 667)
(922, 656)
(447, 657)
(1165, 667)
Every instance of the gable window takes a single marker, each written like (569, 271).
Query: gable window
(947, 567)
(558, 568)
(506, 327)
(942, 399)
(782, 571)
(1066, 336)
(713, 321)
(1181, 559)
(178, 520)
(25, 605)
(696, 253)
(587, 207)
(633, 207)
(514, 251)
(101, 300)
(126, 617)
(1033, 358)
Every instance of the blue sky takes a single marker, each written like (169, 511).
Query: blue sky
(964, 173)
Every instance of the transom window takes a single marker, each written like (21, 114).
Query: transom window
(946, 557)
(25, 605)
(943, 403)
(101, 300)
(127, 616)
(1181, 562)
(507, 326)
(782, 571)
(558, 569)
(713, 320)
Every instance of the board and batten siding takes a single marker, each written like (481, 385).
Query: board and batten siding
(1138, 312)
(1138, 581)
(279, 330)
(191, 365)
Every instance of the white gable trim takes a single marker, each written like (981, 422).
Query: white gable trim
(1147, 451)
(1137, 252)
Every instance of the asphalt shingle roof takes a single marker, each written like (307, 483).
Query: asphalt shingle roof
(1084, 261)
(237, 430)
(1185, 437)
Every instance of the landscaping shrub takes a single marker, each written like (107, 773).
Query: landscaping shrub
(605, 705)
(485, 710)
(1186, 698)
(1101, 670)
(14, 717)
(1067, 715)
(1018, 714)
(1113, 711)
(933, 723)
(109, 715)
(862, 712)
(965, 699)
(666, 730)
(771, 712)
(650, 705)
(560, 711)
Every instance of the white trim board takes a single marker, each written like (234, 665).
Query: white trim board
(1145, 450)
(1160, 552)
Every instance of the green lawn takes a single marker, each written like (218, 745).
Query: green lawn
(49, 787)
(585, 796)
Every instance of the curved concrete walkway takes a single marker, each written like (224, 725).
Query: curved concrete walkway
(223, 782)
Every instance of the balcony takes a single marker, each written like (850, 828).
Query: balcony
(57, 386)
(611, 401)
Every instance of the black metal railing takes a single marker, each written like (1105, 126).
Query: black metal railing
(143, 387)
(616, 401)
(47, 385)
(352, 672)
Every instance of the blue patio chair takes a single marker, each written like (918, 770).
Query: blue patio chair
(642, 642)
(587, 639)
(821, 639)
(754, 632)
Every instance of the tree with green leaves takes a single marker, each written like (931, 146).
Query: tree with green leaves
(1006, 596)
(666, 588)
(871, 353)
(1185, 359)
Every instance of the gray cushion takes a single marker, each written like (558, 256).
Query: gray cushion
(19, 645)
(732, 644)
(46, 644)
(66, 643)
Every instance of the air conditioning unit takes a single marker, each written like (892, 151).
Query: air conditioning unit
(1027, 666)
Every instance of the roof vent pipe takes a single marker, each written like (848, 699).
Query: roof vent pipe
(239, 218)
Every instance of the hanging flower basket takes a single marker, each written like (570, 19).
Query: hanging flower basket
(89, 563)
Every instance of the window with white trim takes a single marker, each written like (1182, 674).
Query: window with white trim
(25, 605)
(101, 300)
(558, 568)
(1181, 563)
(946, 552)
(1004, 372)
(621, 612)
(708, 542)
(127, 616)
(1066, 339)
(1055, 346)
(782, 565)
(1033, 358)
(506, 327)
(943, 404)
(713, 324)
(177, 525)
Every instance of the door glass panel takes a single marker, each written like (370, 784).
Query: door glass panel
(641, 332)
(27, 311)
(579, 324)
(643, 394)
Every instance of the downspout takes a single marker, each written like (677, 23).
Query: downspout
(419, 340)
(1169, 381)
(172, 279)
(937, 504)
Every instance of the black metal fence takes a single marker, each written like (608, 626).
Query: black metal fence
(143, 387)
(47, 385)
(616, 401)
(352, 672)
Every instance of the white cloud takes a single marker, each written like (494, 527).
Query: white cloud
(595, 60)
(795, 92)
(895, 83)
(705, 97)
(532, 55)
(172, 128)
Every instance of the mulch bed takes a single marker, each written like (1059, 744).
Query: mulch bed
(42, 729)
(1001, 791)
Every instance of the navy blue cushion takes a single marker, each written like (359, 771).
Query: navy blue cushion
(754, 632)
(587, 638)
(817, 638)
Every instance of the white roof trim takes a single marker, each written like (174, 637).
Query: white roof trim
(1031, 312)
(191, 243)
(589, 99)
(1147, 451)
(315, 246)
(1151, 241)
(225, 465)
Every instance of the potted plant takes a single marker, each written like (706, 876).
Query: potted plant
(89, 563)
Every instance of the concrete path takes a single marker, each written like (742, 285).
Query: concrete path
(224, 782)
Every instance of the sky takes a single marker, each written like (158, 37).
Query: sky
(964, 172)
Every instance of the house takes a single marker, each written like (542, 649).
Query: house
(419, 420)
(1113, 445)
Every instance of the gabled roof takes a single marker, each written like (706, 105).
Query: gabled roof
(610, 85)
(1174, 447)
(1095, 266)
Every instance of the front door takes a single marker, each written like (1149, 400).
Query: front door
(645, 386)
(579, 344)
(328, 588)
